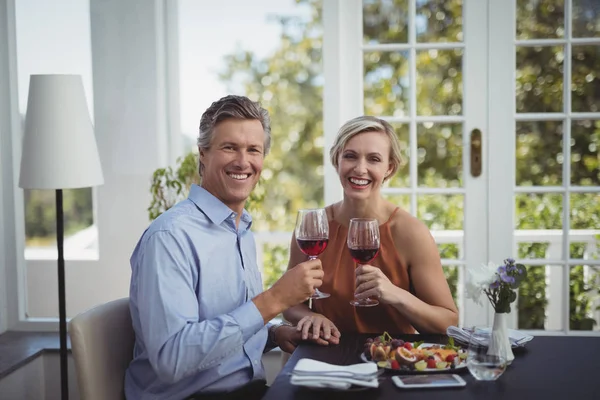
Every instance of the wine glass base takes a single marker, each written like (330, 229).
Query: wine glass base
(319, 295)
(364, 303)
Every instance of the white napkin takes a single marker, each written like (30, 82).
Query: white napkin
(517, 338)
(318, 374)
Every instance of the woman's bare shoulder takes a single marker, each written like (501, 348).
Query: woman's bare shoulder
(330, 210)
(406, 227)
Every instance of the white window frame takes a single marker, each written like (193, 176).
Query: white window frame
(343, 99)
(503, 119)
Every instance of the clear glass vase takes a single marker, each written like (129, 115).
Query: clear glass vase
(500, 342)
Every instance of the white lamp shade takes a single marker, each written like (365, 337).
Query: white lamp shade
(59, 146)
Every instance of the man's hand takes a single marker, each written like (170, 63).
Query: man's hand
(294, 287)
(288, 338)
(298, 283)
(320, 327)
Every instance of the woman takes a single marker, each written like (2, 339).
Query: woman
(406, 276)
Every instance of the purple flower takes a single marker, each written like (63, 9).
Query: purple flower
(510, 260)
(510, 268)
(495, 285)
(507, 278)
(502, 269)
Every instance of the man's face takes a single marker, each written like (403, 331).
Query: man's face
(234, 161)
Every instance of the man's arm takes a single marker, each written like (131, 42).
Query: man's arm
(179, 345)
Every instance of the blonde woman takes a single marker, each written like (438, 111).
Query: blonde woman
(406, 275)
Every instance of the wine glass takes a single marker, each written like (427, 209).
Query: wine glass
(482, 361)
(363, 243)
(312, 236)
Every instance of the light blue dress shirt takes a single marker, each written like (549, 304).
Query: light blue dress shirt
(193, 277)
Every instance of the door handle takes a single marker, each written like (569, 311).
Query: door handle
(475, 152)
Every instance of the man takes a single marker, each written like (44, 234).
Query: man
(198, 312)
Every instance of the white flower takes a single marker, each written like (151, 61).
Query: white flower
(478, 279)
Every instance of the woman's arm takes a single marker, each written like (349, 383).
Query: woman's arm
(432, 310)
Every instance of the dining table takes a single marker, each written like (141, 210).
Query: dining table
(547, 367)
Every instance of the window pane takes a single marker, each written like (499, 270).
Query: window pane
(439, 152)
(402, 177)
(439, 82)
(54, 38)
(539, 219)
(540, 19)
(533, 297)
(385, 21)
(386, 83)
(585, 153)
(539, 86)
(441, 212)
(587, 250)
(451, 274)
(586, 18)
(539, 155)
(535, 250)
(585, 210)
(584, 290)
(538, 211)
(449, 251)
(585, 80)
(439, 21)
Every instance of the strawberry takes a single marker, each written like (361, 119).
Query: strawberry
(394, 364)
(431, 363)
(407, 345)
(450, 358)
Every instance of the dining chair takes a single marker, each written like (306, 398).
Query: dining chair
(102, 340)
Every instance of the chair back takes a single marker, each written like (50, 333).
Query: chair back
(102, 340)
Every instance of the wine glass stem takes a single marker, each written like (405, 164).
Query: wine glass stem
(317, 291)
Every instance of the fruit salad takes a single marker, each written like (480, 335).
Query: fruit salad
(397, 354)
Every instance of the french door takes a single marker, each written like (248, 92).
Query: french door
(453, 78)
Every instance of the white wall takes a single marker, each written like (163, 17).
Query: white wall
(9, 123)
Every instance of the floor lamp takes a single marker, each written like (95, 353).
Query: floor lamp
(59, 152)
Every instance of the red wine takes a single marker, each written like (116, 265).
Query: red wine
(363, 256)
(312, 247)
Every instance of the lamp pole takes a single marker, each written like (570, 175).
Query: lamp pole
(62, 303)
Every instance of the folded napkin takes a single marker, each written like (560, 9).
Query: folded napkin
(516, 338)
(318, 374)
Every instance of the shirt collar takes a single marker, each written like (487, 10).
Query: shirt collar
(214, 208)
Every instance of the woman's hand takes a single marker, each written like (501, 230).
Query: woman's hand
(320, 326)
(288, 338)
(371, 282)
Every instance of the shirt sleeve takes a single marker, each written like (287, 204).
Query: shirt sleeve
(177, 343)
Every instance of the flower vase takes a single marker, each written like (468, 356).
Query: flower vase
(499, 342)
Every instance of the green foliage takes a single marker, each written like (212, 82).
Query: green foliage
(532, 291)
(170, 185)
(40, 214)
(275, 260)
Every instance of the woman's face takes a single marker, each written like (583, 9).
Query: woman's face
(363, 164)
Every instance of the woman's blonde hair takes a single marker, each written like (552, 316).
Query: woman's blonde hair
(363, 124)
